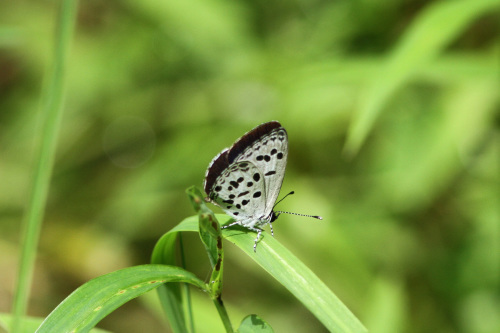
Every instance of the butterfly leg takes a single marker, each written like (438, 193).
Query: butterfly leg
(258, 231)
(256, 240)
(271, 226)
(230, 224)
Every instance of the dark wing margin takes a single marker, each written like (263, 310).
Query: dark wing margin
(216, 167)
(249, 138)
(222, 161)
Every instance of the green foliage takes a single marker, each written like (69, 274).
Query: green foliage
(51, 111)
(94, 300)
(392, 113)
(275, 259)
(254, 324)
(426, 38)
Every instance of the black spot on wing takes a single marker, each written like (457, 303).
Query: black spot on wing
(243, 194)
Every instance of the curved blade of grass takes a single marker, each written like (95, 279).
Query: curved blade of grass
(298, 279)
(94, 300)
(164, 252)
(170, 295)
(431, 32)
(291, 273)
(26, 324)
(30, 324)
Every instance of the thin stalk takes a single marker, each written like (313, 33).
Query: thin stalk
(51, 112)
(188, 309)
(223, 314)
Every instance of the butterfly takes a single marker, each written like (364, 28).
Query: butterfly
(245, 179)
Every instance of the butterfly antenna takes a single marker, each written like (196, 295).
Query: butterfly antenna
(292, 192)
(313, 216)
(279, 212)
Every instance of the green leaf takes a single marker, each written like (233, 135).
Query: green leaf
(170, 295)
(291, 273)
(210, 233)
(425, 38)
(164, 252)
(298, 279)
(25, 324)
(52, 98)
(211, 237)
(29, 324)
(254, 324)
(94, 300)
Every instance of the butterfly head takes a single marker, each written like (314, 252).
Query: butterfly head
(274, 216)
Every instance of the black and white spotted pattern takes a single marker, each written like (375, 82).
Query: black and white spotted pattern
(240, 192)
(245, 180)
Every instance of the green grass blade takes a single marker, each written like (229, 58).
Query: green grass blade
(164, 252)
(94, 300)
(430, 33)
(30, 324)
(52, 97)
(170, 295)
(288, 270)
(291, 273)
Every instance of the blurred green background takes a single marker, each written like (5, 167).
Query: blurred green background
(155, 89)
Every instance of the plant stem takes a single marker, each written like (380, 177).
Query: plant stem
(51, 111)
(223, 314)
(188, 309)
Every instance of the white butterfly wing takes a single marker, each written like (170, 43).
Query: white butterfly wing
(269, 154)
(246, 179)
(239, 191)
